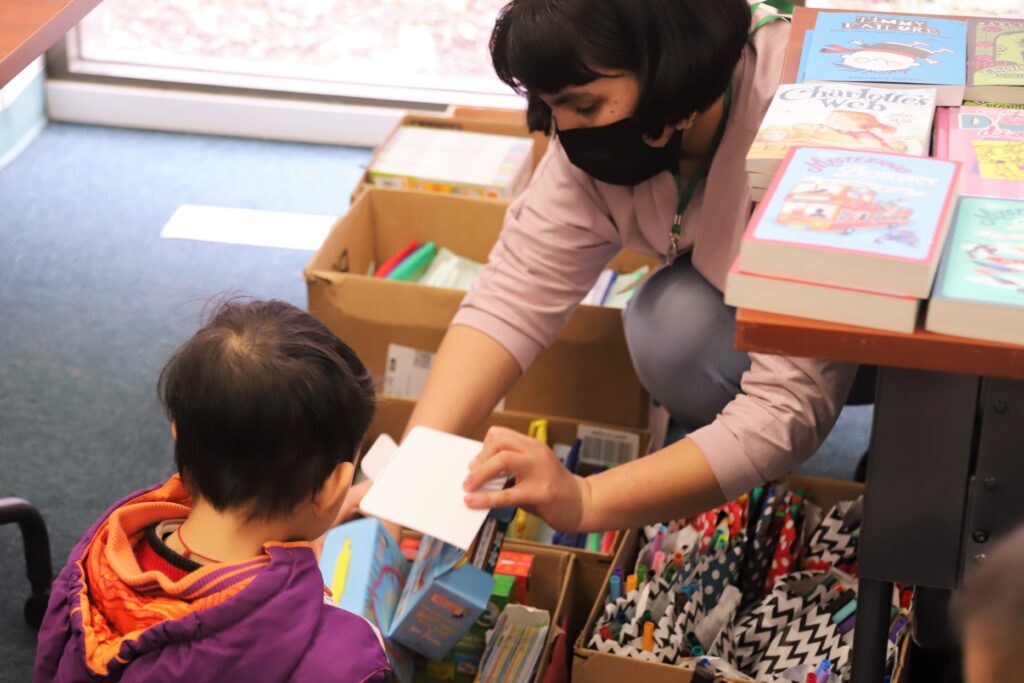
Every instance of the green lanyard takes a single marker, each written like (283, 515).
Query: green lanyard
(686, 193)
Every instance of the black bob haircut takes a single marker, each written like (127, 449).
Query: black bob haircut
(682, 52)
(266, 402)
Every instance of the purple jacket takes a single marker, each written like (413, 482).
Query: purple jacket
(275, 627)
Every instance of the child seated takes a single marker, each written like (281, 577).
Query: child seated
(989, 611)
(210, 576)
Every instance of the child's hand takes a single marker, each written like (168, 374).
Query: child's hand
(543, 485)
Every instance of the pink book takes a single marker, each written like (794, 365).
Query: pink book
(989, 142)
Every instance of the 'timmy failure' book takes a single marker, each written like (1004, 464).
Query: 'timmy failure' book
(862, 220)
(878, 49)
(979, 292)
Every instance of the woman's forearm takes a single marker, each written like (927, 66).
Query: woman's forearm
(470, 374)
(675, 482)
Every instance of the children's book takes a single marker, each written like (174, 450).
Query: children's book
(841, 115)
(863, 220)
(989, 141)
(979, 291)
(995, 60)
(821, 302)
(871, 48)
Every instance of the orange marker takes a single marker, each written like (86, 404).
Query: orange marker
(630, 583)
(649, 636)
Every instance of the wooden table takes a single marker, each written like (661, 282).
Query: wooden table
(28, 28)
(946, 465)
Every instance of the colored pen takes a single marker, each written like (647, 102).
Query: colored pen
(649, 636)
(630, 583)
(572, 460)
(606, 633)
(659, 538)
(396, 258)
(824, 669)
(848, 625)
(845, 612)
(811, 678)
(658, 563)
(594, 542)
(607, 542)
(615, 589)
(641, 572)
(415, 264)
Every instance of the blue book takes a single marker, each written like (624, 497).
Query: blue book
(979, 291)
(867, 48)
(863, 220)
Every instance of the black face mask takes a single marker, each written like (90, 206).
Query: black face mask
(617, 153)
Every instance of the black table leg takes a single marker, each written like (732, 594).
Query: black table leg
(874, 602)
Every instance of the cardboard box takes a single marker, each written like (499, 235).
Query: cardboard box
(587, 373)
(592, 666)
(474, 120)
(549, 588)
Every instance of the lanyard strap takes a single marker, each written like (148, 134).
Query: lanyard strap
(686, 193)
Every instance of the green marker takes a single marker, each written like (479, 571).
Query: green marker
(415, 265)
(594, 542)
(641, 573)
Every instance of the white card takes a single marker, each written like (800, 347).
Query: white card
(380, 455)
(422, 487)
(406, 373)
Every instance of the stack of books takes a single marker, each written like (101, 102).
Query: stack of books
(846, 236)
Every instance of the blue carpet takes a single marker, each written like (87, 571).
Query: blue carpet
(92, 301)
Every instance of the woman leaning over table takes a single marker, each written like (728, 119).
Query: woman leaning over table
(653, 104)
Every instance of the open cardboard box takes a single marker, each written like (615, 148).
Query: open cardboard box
(549, 588)
(473, 120)
(587, 372)
(393, 415)
(592, 666)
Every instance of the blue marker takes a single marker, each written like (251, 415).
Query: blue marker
(616, 587)
(824, 670)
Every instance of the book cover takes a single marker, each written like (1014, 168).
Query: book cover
(846, 116)
(989, 141)
(887, 48)
(995, 52)
(984, 259)
(885, 205)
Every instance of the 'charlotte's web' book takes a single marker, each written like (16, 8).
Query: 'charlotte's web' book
(989, 141)
(864, 220)
(845, 116)
(979, 291)
(995, 60)
(875, 49)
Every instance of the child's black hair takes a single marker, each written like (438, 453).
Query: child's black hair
(266, 402)
(682, 52)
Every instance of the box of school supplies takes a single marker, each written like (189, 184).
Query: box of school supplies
(549, 589)
(497, 122)
(363, 567)
(586, 373)
(453, 162)
(716, 597)
(601, 445)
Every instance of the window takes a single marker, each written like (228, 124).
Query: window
(400, 50)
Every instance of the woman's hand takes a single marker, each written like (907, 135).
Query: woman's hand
(543, 486)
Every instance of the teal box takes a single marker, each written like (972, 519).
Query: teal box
(443, 597)
(364, 568)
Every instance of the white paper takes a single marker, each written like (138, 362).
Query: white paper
(248, 226)
(422, 487)
(380, 455)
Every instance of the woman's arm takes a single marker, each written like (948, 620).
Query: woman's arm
(672, 483)
(469, 376)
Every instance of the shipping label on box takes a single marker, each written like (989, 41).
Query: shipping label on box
(444, 596)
